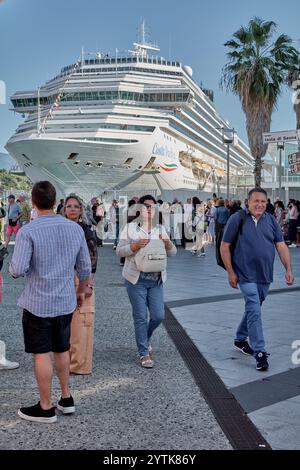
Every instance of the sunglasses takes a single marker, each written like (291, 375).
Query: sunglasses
(150, 206)
(70, 206)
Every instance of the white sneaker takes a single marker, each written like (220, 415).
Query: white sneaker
(293, 245)
(5, 364)
(201, 254)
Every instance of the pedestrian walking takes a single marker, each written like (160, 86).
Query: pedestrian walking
(145, 244)
(251, 268)
(13, 215)
(293, 222)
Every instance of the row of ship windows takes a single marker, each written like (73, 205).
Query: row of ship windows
(208, 132)
(104, 139)
(202, 105)
(195, 138)
(125, 95)
(194, 183)
(90, 115)
(122, 60)
(123, 127)
(104, 96)
(208, 118)
(201, 121)
(74, 157)
(119, 69)
(215, 138)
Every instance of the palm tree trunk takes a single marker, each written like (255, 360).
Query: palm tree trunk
(257, 172)
(258, 120)
(297, 111)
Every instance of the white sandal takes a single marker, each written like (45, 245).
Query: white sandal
(146, 362)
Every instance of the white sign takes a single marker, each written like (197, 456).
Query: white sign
(282, 136)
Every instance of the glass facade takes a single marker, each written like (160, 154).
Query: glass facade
(122, 60)
(104, 96)
(119, 68)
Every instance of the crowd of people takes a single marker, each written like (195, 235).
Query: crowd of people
(56, 251)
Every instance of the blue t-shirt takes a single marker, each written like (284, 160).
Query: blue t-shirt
(13, 210)
(254, 254)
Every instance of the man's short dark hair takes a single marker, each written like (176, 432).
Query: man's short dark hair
(43, 195)
(257, 190)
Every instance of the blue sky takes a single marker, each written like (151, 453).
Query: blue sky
(38, 37)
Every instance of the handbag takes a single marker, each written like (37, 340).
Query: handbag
(105, 228)
(152, 258)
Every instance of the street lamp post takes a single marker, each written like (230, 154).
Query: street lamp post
(228, 137)
(280, 147)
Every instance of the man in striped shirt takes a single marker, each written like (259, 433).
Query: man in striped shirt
(46, 252)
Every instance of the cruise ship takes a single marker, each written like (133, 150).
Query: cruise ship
(130, 119)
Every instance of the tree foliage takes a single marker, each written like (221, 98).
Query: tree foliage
(258, 67)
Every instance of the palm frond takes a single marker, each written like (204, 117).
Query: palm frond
(258, 67)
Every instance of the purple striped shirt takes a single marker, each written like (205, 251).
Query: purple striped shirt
(46, 252)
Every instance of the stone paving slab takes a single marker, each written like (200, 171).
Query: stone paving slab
(121, 405)
(280, 424)
(212, 328)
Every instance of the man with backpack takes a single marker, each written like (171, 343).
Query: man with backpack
(250, 267)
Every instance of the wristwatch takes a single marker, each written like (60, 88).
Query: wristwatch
(90, 286)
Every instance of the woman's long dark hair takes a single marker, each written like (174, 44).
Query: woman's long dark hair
(195, 201)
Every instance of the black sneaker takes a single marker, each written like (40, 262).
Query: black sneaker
(37, 414)
(244, 347)
(66, 405)
(262, 360)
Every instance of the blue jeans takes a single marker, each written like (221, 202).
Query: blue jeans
(251, 324)
(117, 235)
(145, 294)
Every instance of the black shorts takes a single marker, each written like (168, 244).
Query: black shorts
(45, 334)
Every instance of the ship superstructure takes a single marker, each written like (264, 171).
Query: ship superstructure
(127, 119)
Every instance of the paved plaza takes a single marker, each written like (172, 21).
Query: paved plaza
(122, 406)
(200, 298)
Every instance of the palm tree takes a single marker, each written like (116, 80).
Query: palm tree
(256, 71)
(294, 78)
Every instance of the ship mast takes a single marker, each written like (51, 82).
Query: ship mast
(143, 45)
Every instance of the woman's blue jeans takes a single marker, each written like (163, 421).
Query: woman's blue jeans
(146, 294)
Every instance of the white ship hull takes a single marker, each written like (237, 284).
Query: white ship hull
(100, 167)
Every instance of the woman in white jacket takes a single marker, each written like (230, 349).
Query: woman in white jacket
(145, 289)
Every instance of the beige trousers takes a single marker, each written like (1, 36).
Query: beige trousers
(82, 338)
